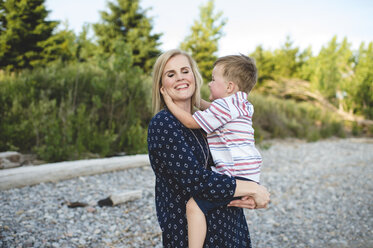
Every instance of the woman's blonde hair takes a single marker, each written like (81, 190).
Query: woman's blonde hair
(157, 100)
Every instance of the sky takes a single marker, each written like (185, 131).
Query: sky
(249, 23)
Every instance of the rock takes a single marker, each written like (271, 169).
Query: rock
(320, 197)
(91, 209)
(76, 204)
(13, 157)
(10, 160)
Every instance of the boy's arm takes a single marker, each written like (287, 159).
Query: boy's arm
(184, 117)
(204, 104)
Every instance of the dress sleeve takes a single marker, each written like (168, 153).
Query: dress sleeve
(169, 150)
(213, 117)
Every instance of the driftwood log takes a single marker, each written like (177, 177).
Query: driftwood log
(30, 175)
(119, 198)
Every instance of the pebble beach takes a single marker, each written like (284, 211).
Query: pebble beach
(321, 196)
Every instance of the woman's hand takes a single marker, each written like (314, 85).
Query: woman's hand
(261, 197)
(251, 189)
(245, 202)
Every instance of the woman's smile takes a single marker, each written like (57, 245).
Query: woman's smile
(183, 86)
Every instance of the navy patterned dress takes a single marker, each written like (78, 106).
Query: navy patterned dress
(177, 157)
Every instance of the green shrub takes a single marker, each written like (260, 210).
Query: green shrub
(73, 111)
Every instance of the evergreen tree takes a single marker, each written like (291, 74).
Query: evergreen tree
(202, 43)
(333, 68)
(265, 63)
(85, 47)
(2, 17)
(286, 64)
(60, 47)
(126, 21)
(360, 90)
(23, 31)
(306, 68)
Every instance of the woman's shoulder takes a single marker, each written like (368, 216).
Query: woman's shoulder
(165, 119)
(165, 126)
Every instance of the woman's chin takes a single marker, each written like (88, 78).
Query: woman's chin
(184, 94)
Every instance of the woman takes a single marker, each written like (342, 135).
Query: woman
(180, 159)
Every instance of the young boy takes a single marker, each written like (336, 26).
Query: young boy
(228, 124)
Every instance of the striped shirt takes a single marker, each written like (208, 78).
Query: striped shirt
(228, 124)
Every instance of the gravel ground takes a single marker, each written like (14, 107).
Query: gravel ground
(321, 196)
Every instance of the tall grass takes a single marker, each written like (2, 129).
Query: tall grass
(277, 118)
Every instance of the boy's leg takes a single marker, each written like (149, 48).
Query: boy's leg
(197, 226)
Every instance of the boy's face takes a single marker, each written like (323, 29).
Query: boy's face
(218, 85)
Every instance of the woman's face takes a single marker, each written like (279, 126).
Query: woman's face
(178, 79)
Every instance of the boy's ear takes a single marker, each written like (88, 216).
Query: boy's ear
(231, 86)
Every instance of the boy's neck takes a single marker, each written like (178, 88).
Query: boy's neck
(232, 93)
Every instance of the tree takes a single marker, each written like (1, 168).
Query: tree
(61, 47)
(265, 63)
(23, 31)
(333, 68)
(85, 46)
(286, 64)
(126, 21)
(202, 43)
(306, 68)
(360, 90)
(2, 17)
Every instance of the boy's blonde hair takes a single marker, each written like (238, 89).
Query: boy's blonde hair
(157, 98)
(239, 69)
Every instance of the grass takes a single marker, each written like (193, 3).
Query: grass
(279, 118)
